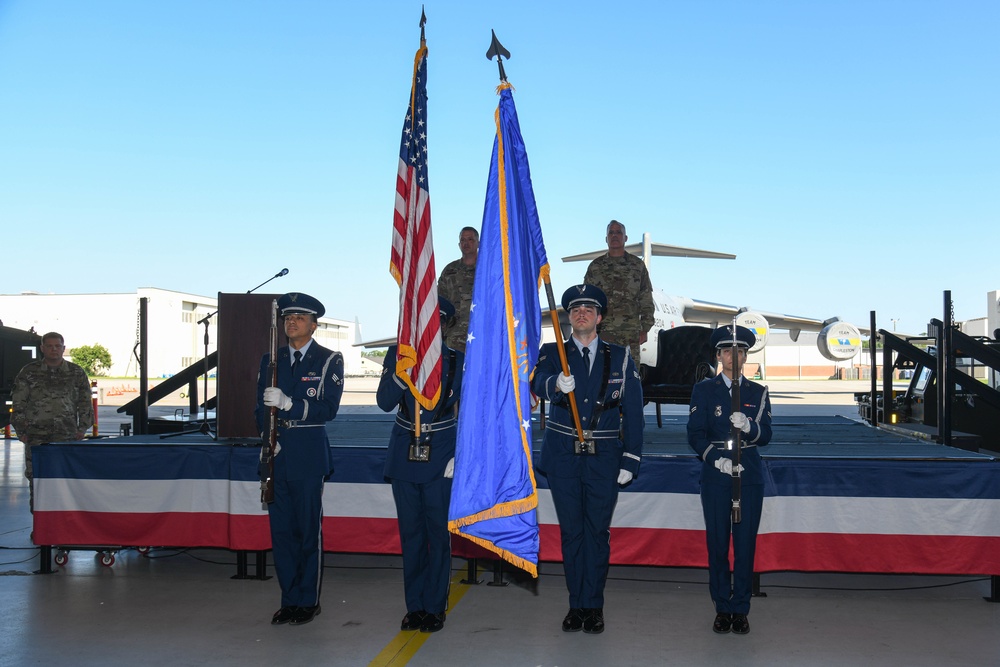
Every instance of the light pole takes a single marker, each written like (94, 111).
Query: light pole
(894, 320)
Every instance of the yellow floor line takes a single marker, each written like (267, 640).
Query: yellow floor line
(406, 644)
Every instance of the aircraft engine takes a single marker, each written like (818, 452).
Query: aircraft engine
(756, 323)
(839, 341)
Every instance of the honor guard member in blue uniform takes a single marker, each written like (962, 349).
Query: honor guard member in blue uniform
(307, 395)
(709, 434)
(584, 478)
(420, 467)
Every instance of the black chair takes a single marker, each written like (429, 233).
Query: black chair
(684, 357)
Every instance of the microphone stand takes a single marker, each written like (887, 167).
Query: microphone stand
(206, 425)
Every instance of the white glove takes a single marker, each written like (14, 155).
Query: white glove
(565, 383)
(275, 398)
(740, 421)
(449, 468)
(624, 477)
(725, 466)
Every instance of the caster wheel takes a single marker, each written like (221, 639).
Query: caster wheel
(61, 558)
(107, 560)
(143, 550)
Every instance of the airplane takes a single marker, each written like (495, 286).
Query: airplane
(837, 340)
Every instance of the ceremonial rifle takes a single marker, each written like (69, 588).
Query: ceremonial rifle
(267, 459)
(736, 406)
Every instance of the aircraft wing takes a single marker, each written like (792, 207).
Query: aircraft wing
(707, 312)
(656, 249)
(381, 342)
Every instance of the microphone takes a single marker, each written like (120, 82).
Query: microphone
(283, 272)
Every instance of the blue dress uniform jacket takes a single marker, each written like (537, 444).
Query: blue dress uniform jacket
(585, 487)
(302, 465)
(419, 488)
(393, 394)
(708, 430)
(623, 388)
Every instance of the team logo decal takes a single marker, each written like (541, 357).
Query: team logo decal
(311, 392)
(718, 410)
(616, 394)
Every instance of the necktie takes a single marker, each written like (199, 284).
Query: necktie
(295, 364)
(586, 358)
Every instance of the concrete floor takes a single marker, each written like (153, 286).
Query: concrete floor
(182, 608)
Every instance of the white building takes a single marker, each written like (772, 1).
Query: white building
(176, 339)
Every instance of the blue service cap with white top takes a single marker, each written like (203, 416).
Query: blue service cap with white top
(723, 337)
(297, 302)
(584, 295)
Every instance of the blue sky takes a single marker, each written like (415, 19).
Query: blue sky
(848, 153)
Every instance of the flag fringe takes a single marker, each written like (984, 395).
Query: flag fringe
(407, 359)
(516, 561)
(504, 86)
(499, 511)
(543, 274)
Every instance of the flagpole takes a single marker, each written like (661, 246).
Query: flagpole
(561, 345)
(412, 258)
(413, 388)
(497, 49)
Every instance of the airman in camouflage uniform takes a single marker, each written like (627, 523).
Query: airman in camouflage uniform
(455, 285)
(52, 402)
(624, 279)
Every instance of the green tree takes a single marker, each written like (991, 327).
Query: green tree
(95, 359)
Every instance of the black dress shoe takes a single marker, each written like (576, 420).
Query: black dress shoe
(304, 614)
(594, 622)
(413, 620)
(741, 625)
(283, 615)
(723, 623)
(432, 623)
(574, 620)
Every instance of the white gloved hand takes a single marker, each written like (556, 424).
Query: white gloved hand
(724, 465)
(275, 398)
(565, 383)
(624, 477)
(740, 421)
(449, 468)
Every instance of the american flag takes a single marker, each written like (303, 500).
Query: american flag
(412, 265)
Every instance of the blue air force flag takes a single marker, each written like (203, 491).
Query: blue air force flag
(494, 499)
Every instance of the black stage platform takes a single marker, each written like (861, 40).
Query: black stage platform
(794, 437)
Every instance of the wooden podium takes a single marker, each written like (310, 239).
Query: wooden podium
(244, 337)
